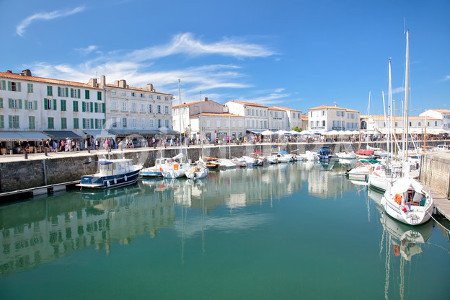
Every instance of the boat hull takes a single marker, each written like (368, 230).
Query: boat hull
(112, 181)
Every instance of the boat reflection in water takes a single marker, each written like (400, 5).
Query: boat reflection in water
(399, 243)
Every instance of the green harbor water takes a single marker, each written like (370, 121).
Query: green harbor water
(292, 231)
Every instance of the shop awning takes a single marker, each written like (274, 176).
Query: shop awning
(99, 133)
(22, 136)
(62, 134)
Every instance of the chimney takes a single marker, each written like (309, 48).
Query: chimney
(150, 87)
(206, 99)
(123, 83)
(25, 72)
(116, 83)
(102, 81)
(9, 71)
(93, 82)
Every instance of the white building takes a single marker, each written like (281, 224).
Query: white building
(256, 116)
(207, 119)
(417, 124)
(439, 114)
(131, 110)
(293, 117)
(59, 108)
(327, 118)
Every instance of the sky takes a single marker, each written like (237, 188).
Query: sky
(297, 54)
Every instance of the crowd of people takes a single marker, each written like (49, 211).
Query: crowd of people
(68, 144)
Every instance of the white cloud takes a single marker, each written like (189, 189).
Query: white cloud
(185, 43)
(138, 67)
(20, 29)
(87, 50)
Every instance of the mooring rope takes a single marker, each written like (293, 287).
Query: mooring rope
(446, 229)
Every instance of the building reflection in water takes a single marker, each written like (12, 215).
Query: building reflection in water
(42, 230)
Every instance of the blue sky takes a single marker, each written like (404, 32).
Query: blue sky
(289, 53)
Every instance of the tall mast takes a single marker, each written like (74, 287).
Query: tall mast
(390, 114)
(179, 111)
(405, 105)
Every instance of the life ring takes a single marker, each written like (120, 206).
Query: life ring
(160, 169)
(125, 177)
(108, 183)
(398, 199)
(115, 180)
(175, 167)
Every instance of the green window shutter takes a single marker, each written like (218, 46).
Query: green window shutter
(20, 103)
(92, 122)
(2, 121)
(10, 121)
(96, 107)
(45, 104)
(75, 105)
(9, 86)
(59, 91)
(54, 104)
(99, 95)
(3, 85)
(35, 105)
(10, 103)
(26, 104)
(91, 106)
(86, 94)
(1, 102)
(79, 94)
(103, 107)
(83, 107)
(19, 87)
(67, 92)
(75, 123)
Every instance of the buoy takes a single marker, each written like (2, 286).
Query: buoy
(125, 177)
(175, 166)
(115, 180)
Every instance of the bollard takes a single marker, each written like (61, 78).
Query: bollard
(89, 149)
(45, 151)
(26, 154)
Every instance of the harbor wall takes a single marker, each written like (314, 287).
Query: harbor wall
(435, 172)
(67, 167)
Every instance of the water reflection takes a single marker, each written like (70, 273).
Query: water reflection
(399, 243)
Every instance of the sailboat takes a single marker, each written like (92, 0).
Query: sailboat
(407, 200)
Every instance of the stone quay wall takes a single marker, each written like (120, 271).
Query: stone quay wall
(435, 172)
(67, 167)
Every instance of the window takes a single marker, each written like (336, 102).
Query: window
(124, 106)
(428, 124)
(159, 122)
(410, 123)
(86, 94)
(166, 110)
(435, 123)
(323, 113)
(323, 123)
(114, 105)
(1, 102)
(99, 95)
(96, 107)
(2, 121)
(30, 105)
(75, 106)
(2, 85)
(29, 87)
(63, 123)
(133, 107)
(15, 103)
(158, 97)
(419, 124)
(133, 123)
(14, 86)
(14, 122)
(47, 104)
(50, 122)
(76, 123)
(124, 122)
(63, 92)
(159, 109)
(63, 105)
(133, 94)
(166, 123)
(49, 90)
(75, 93)
(150, 123)
(142, 95)
(114, 122)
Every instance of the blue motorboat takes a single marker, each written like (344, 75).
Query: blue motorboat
(111, 173)
(324, 153)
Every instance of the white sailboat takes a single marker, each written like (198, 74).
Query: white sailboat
(407, 200)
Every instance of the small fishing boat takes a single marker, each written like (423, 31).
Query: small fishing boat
(156, 170)
(225, 163)
(175, 167)
(112, 173)
(324, 153)
(198, 171)
(308, 156)
(346, 155)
